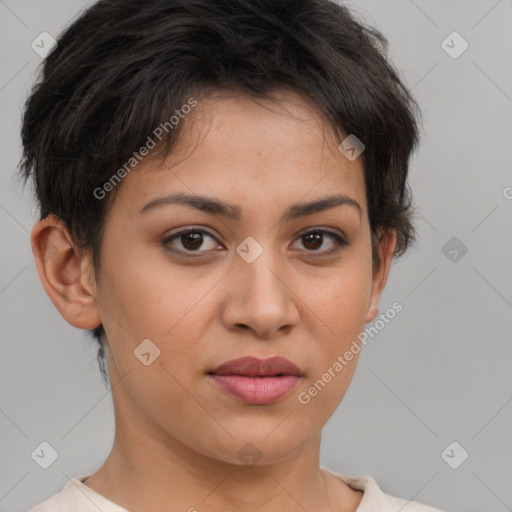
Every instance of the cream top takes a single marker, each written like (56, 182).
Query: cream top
(77, 497)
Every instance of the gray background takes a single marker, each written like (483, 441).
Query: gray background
(439, 372)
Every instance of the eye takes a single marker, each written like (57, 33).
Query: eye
(190, 239)
(314, 239)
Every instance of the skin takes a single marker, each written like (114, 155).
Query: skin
(177, 436)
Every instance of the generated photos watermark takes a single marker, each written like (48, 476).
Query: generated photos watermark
(138, 156)
(304, 397)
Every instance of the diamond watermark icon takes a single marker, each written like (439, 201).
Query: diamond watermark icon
(44, 455)
(352, 147)
(454, 45)
(249, 250)
(249, 454)
(454, 455)
(44, 44)
(146, 352)
(454, 250)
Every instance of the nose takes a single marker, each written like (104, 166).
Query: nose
(260, 297)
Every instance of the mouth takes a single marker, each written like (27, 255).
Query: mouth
(256, 381)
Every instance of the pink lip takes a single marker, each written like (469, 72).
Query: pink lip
(257, 381)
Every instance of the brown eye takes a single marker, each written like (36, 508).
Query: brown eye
(190, 240)
(313, 240)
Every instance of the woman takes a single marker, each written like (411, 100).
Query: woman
(222, 188)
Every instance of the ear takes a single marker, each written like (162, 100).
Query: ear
(386, 243)
(66, 275)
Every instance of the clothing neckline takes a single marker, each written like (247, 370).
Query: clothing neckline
(367, 484)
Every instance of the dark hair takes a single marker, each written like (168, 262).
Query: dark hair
(124, 66)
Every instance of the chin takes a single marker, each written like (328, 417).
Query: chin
(256, 450)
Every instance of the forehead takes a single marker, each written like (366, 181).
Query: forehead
(251, 149)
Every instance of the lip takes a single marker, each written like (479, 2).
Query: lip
(257, 381)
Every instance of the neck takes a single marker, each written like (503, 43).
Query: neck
(150, 475)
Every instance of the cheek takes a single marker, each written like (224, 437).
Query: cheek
(140, 304)
(344, 312)
(342, 299)
(341, 306)
(147, 297)
(155, 302)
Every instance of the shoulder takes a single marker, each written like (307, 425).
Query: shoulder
(375, 499)
(59, 502)
(77, 497)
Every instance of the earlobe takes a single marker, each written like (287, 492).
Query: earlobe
(65, 274)
(386, 248)
(372, 313)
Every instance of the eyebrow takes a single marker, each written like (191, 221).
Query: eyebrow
(231, 211)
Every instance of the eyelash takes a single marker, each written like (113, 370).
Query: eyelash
(339, 241)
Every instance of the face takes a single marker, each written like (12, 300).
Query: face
(262, 277)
